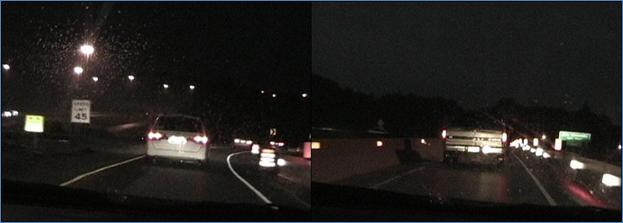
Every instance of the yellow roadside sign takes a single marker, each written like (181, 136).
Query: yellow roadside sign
(34, 123)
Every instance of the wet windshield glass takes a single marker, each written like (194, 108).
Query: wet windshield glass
(84, 82)
(477, 102)
(178, 124)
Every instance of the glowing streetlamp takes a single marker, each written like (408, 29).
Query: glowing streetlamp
(304, 95)
(131, 78)
(78, 70)
(95, 79)
(87, 49)
(191, 87)
(274, 95)
(165, 86)
(6, 67)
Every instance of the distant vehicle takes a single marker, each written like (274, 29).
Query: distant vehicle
(474, 145)
(179, 137)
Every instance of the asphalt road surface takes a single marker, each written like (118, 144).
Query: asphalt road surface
(229, 177)
(522, 180)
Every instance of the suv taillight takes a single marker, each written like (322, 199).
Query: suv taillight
(201, 139)
(155, 136)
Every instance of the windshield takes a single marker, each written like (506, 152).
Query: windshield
(541, 84)
(178, 124)
(90, 89)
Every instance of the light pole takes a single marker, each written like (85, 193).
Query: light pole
(78, 70)
(87, 50)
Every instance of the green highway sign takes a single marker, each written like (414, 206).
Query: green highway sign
(574, 136)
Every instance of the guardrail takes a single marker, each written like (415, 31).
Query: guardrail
(594, 182)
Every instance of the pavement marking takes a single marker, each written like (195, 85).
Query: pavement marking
(257, 192)
(307, 205)
(549, 198)
(376, 186)
(100, 170)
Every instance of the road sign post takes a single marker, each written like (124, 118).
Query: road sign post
(81, 111)
(34, 125)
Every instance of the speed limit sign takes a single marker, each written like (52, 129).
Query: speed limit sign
(81, 111)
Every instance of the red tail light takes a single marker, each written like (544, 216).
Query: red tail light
(201, 139)
(155, 136)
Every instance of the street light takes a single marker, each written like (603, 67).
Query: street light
(131, 77)
(87, 49)
(304, 95)
(274, 95)
(78, 70)
(6, 67)
(191, 87)
(165, 86)
(262, 92)
(95, 79)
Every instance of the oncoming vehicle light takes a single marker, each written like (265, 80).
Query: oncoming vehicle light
(533, 150)
(423, 141)
(546, 155)
(504, 137)
(7, 114)
(611, 180)
(576, 165)
(249, 142)
(535, 142)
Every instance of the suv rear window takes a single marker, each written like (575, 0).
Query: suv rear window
(178, 124)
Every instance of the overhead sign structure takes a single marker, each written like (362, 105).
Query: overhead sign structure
(34, 123)
(81, 111)
(574, 136)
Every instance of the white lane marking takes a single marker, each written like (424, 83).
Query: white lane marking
(549, 198)
(99, 170)
(376, 186)
(257, 192)
(293, 195)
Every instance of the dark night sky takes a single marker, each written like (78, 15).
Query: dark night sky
(475, 53)
(265, 45)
